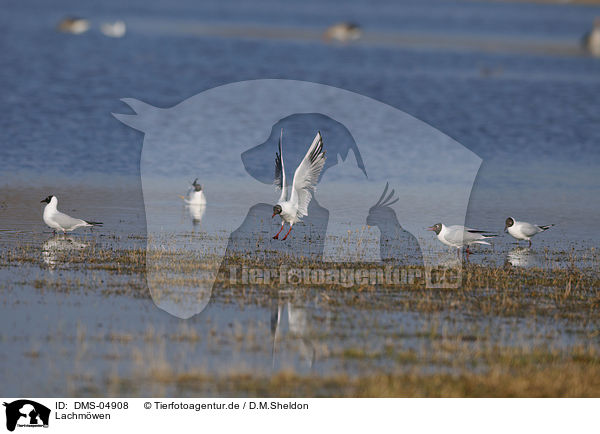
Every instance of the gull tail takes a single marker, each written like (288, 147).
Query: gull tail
(485, 236)
(545, 227)
(489, 235)
(94, 223)
(483, 233)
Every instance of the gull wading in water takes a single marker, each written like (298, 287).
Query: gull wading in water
(460, 236)
(195, 202)
(195, 195)
(523, 230)
(305, 180)
(60, 221)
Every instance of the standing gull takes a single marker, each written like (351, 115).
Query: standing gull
(60, 221)
(195, 202)
(460, 236)
(195, 195)
(523, 230)
(305, 180)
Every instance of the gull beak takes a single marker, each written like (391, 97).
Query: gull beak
(42, 201)
(274, 214)
(431, 229)
(505, 228)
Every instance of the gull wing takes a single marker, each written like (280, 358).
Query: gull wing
(66, 221)
(476, 231)
(455, 234)
(307, 176)
(280, 171)
(472, 235)
(528, 229)
(461, 235)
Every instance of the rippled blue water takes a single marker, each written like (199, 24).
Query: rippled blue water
(58, 90)
(533, 118)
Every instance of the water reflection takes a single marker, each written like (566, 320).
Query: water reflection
(293, 325)
(196, 212)
(523, 257)
(58, 249)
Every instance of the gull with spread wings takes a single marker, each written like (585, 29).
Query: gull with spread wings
(305, 179)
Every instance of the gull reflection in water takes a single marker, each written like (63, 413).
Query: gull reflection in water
(58, 248)
(291, 305)
(523, 257)
(196, 212)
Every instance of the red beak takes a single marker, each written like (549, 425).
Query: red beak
(431, 229)
(274, 214)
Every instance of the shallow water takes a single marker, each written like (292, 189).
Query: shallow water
(75, 340)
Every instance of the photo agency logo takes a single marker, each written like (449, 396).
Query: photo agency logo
(294, 183)
(25, 413)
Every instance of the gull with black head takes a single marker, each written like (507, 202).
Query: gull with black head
(523, 230)
(60, 221)
(305, 179)
(195, 195)
(459, 236)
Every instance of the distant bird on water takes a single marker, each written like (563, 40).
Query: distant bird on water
(591, 40)
(195, 202)
(523, 230)
(343, 32)
(114, 30)
(195, 195)
(60, 221)
(73, 25)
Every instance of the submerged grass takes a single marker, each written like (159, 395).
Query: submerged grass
(572, 292)
(459, 362)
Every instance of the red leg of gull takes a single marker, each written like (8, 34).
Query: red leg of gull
(286, 235)
(276, 237)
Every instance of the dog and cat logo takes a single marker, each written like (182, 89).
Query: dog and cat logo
(26, 413)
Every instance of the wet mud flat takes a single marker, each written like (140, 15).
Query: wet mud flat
(77, 311)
